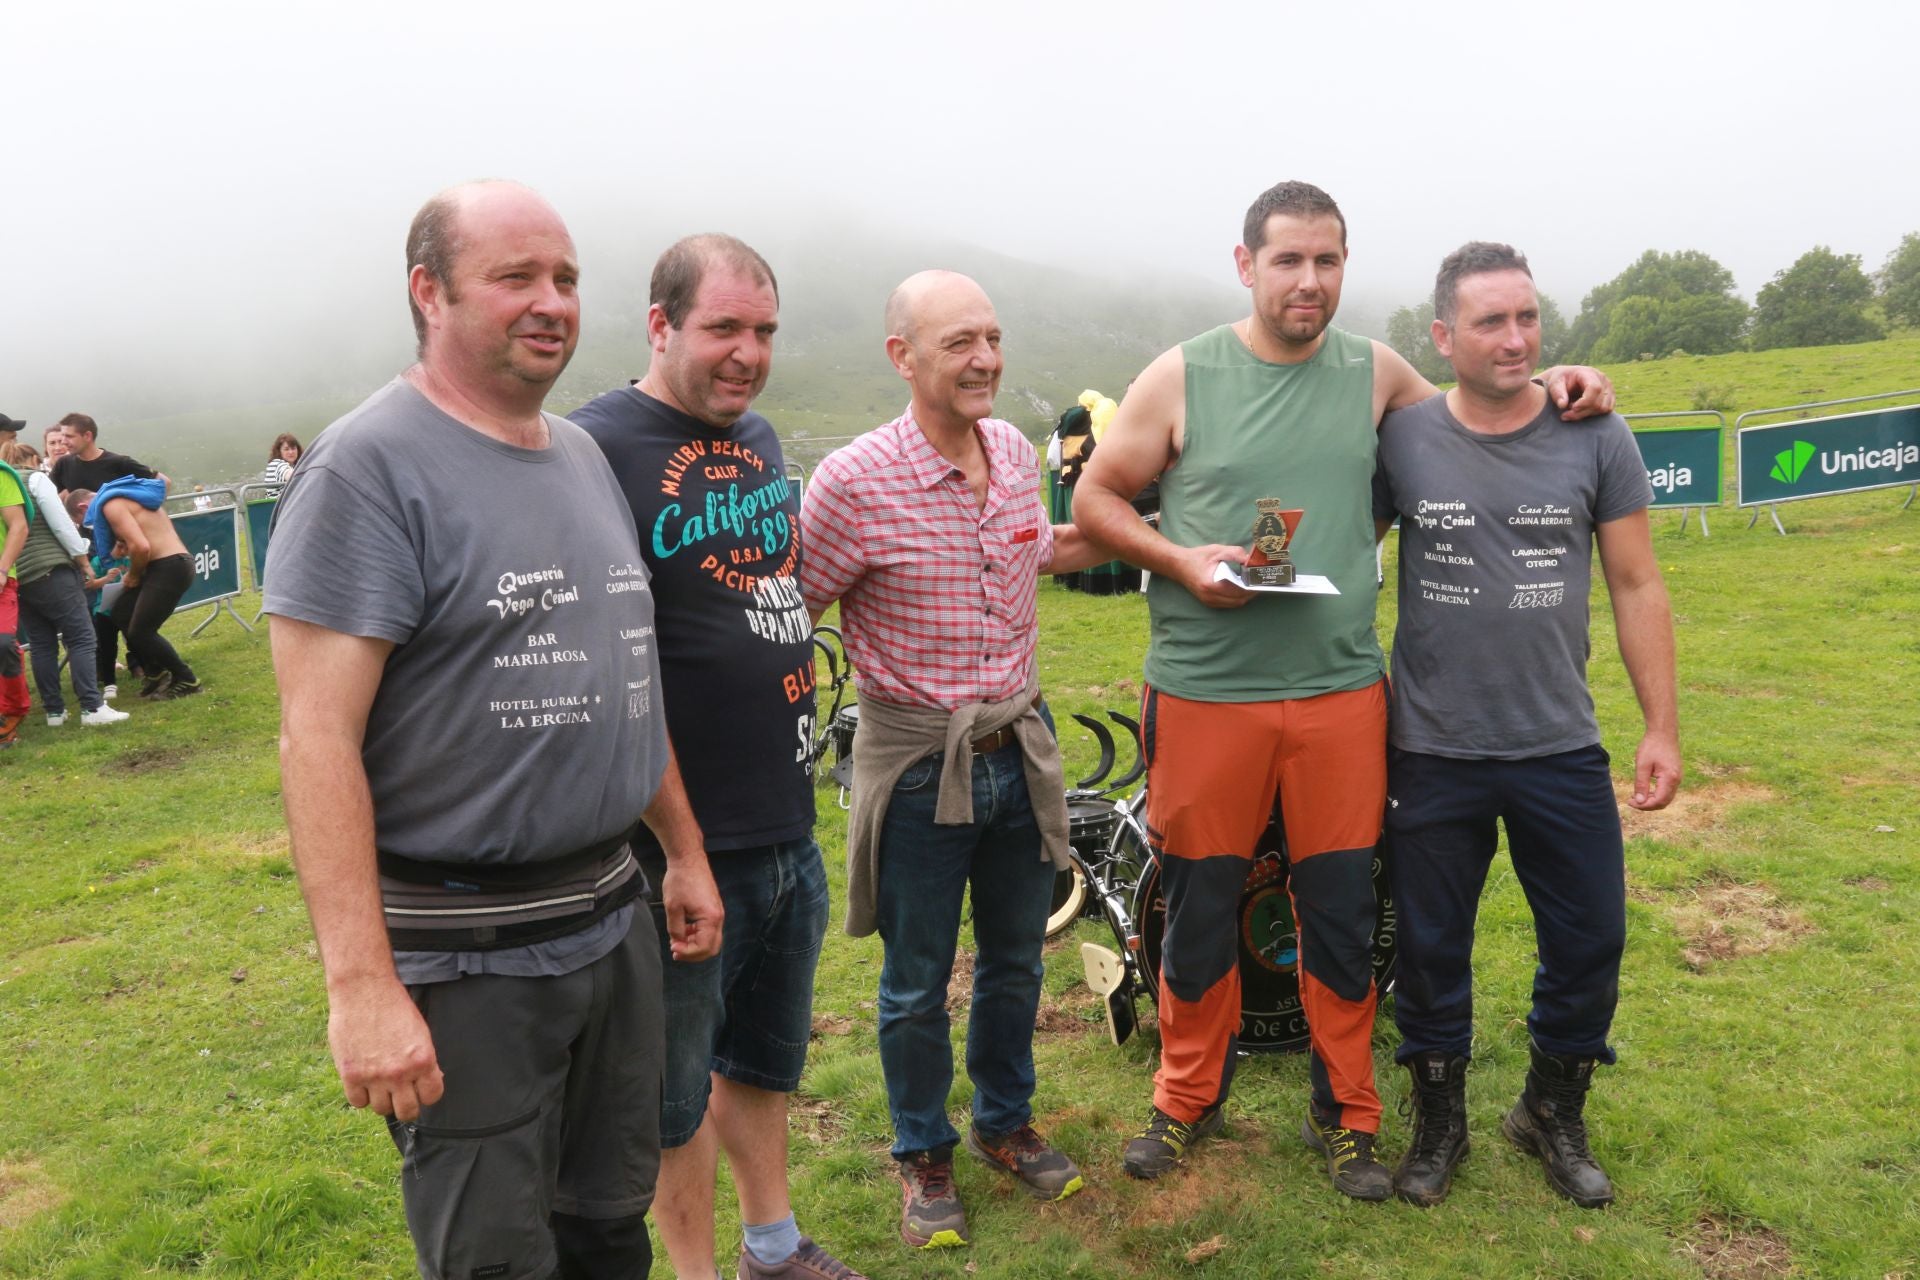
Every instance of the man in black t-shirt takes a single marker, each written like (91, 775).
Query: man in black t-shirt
(87, 465)
(719, 528)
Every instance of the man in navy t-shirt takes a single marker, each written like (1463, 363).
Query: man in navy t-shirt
(719, 527)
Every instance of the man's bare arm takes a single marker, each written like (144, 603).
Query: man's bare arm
(1643, 624)
(1396, 383)
(694, 912)
(1140, 443)
(381, 1045)
(1074, 551)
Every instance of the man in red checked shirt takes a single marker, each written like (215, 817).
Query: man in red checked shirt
(930, 534)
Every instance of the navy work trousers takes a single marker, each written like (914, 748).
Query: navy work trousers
(1563, 832)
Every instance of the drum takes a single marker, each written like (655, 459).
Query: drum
(840, 731)
(1271, 1020)
(1090, 827)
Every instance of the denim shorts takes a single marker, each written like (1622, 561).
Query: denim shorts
(746, 1013)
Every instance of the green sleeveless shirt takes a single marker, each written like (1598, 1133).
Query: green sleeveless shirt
(1303, 433)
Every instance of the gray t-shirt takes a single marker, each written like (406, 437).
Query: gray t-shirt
(1496, 563)
(518, 717)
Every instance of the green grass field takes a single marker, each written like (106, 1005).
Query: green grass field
(169, 1106)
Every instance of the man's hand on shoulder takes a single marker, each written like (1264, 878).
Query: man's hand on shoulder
(1196, 575)
(382, 1048)
(1578, 391)
(1656, 772)
(695, 914)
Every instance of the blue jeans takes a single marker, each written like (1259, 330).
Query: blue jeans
(1563, 832)
(924, 874)
(746, 1013)
(55, 605)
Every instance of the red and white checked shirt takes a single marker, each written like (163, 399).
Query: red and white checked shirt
(936, 595)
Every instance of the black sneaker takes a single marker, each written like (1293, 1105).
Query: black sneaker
(930, 1212)
(1042, 1171)
(156, 686)
(178, 689)
(1161, 1145)
(1350, 1160)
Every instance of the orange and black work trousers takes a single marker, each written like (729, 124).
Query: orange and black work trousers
(1214, 771)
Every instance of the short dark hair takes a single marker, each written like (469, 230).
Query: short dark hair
(433, 242)
(678, 273)
(1295, 200)
(1476, 257)
(80, 422)
(285, 437)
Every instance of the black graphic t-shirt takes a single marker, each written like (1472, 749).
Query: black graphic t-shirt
(719, 526)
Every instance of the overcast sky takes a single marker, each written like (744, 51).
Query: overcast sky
(175, 172)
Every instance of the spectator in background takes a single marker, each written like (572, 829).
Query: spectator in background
(56, 447)
(14, 700)
(281, 458)
(53, 603)
(159, 571)
(103, 588)
(87, 465)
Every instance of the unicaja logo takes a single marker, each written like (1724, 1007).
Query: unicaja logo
(1789, 463)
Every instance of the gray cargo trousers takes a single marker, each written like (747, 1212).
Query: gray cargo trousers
(540, 1159)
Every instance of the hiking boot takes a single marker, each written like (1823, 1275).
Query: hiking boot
(1439, 1141)
(1548, 1122)
(104, 714)
(808, 1262)
(156, 685)
(1350, 1160)
(930, 1212)
(1164, 1142)
(55, 719)
(177, 689)
(1041, 1170)
(10, 729)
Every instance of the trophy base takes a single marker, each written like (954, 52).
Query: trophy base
(1268, 575)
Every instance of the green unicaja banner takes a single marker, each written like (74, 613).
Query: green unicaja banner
(259, 522)
(1683, 465)
(213, 540)
(1816, 457)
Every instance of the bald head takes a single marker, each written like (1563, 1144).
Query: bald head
(944, 339)
(439, 231)
(911, 301)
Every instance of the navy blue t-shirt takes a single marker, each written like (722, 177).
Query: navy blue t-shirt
(719, 526)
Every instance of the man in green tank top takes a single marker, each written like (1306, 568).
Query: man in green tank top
(1261, 698)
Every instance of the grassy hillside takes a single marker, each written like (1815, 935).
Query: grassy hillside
(1064, 333)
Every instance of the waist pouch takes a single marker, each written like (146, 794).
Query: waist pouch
(447, 906)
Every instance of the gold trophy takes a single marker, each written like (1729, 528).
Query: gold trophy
(1269, 565)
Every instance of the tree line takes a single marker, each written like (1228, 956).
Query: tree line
(1684, 303)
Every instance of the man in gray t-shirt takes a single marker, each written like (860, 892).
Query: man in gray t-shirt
(471, 728)
(1501, 502)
